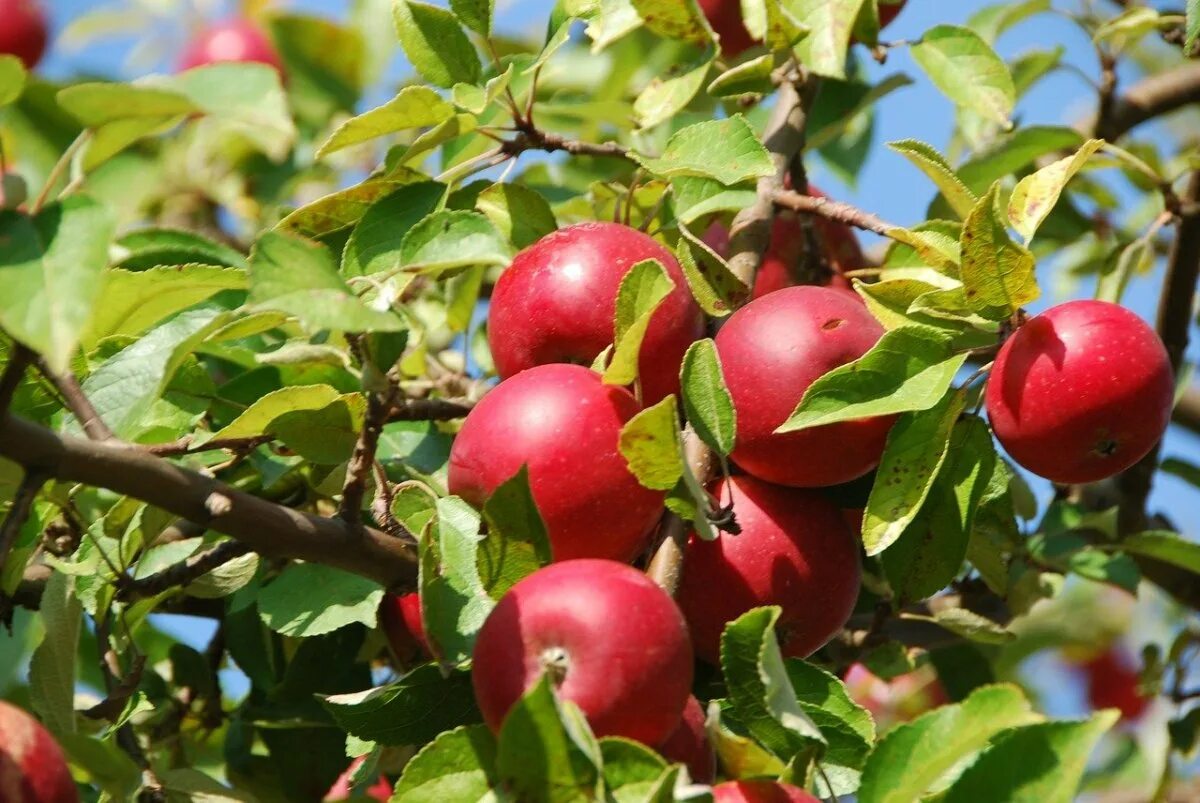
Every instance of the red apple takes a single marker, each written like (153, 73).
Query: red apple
(725, 17)
(688, 744)
(897, 700)
(1081, 392)
(771, 350)
(760, 792)
(1112, 682)
(400, 618)
(232, 40)
(613, 642)
(556, 303)
(380, 790)
(564, 423)
(794, 551)
(23, 30)
(32, 766)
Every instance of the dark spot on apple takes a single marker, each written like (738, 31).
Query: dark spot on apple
(1106, 447)
(832, 323)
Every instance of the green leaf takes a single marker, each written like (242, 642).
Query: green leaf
(412, 710)
(454, 600)
(631, 770)
(752, 77)
(935, 246)
(967, 624)
(108, 766)
(264, 411)
(12, 78)
(1061, 748)
(413, 107)
(649, 442)
(52, 667)
(436, 44)
(310, 599)
(344, 208)
(930, 553)
(452, 239)
(642, 289)
(967, 71)
(325, 61)
(520, 214)
(475, 14)
(675, 19)
(760, 690)
(1166, 546)
(51, 268)
(126, 386)
(325, 436)
(130, 302)
(694, 198)
(726, 150)
(1015, 151)
(845, 724)
(157, 246)
(517, 543)
(934, 165)
(911, 760)
(457, 765)
(715, 287)
(243, 97)
(830, 23)
(997, 273)
(663, 99)
(374, 245)
(1128, 27)
(916, 448)
(299, 277)
(476, 99)
(993, 20)
(1193, 25)
(1036, 194)
(909, 369)
(120, 114)
(546, 751)
(706, 400)
(226, 579)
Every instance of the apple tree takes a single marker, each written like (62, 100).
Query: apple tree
(532, 429)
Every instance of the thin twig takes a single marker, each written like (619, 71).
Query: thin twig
(184, 446)
(56, 172)
(379, 406)
(832, 210)
(429, 409)
(77, 402)
(184, 572)
(18, 362)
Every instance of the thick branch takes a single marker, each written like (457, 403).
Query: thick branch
(77, 402)
(184, 572)
(831, 210)
(1174, 318)
(184, 446)
(265, 527)
(1151, 97)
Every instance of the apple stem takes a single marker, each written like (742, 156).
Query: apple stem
(555, 662)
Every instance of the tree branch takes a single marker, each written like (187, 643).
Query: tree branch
(184, 572)
(379, 404)
(831, 210)
(14, 372)
(1174, 319)
(533, 138)
(666, 566)
(267, 528)
(1151, 97)
(184, 446)
(77, 402)
(430, 409)
(18, 514)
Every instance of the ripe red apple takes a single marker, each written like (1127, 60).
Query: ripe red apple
(771, 350)
(794, 551)
(23, 30)
(564, 423)
(232, 40)
(400, 618)
(1112, 682)
(380, 790)
(688, 744)
(613, 642)
(32, 766)
(760, 792)
(556, 302)
(725, 17)
(1081, 392)
(786, 249)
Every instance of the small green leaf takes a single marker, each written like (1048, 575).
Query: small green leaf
(51, 268)
(649, 443)
(475, 14)
(726, 150)
(457, 765)
(845, 724)
(12, 78)
(752, 77)
(642, 289)
(245, 98)
(1013, 152)
(909, 369)
(1062, 750)
(299, 277)
(546, 750)
(916, 448)
(517, 543)
(435, 44)
(706, 401)
(993, 20)
(374, 245)
(412, 710)
(325, 436)
(830, 23)
(694, 197)
(997, 274)
(309, 599)
(675, 19)
(1166, 546)
(413, 107)
(520, 214)
(663, 99)
(760, 690)
(1036, 194)
(452, 239)
(967, 71)
(969, 625)
(934, 165)
(454, 600)
(52, 667)
(913, 758)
